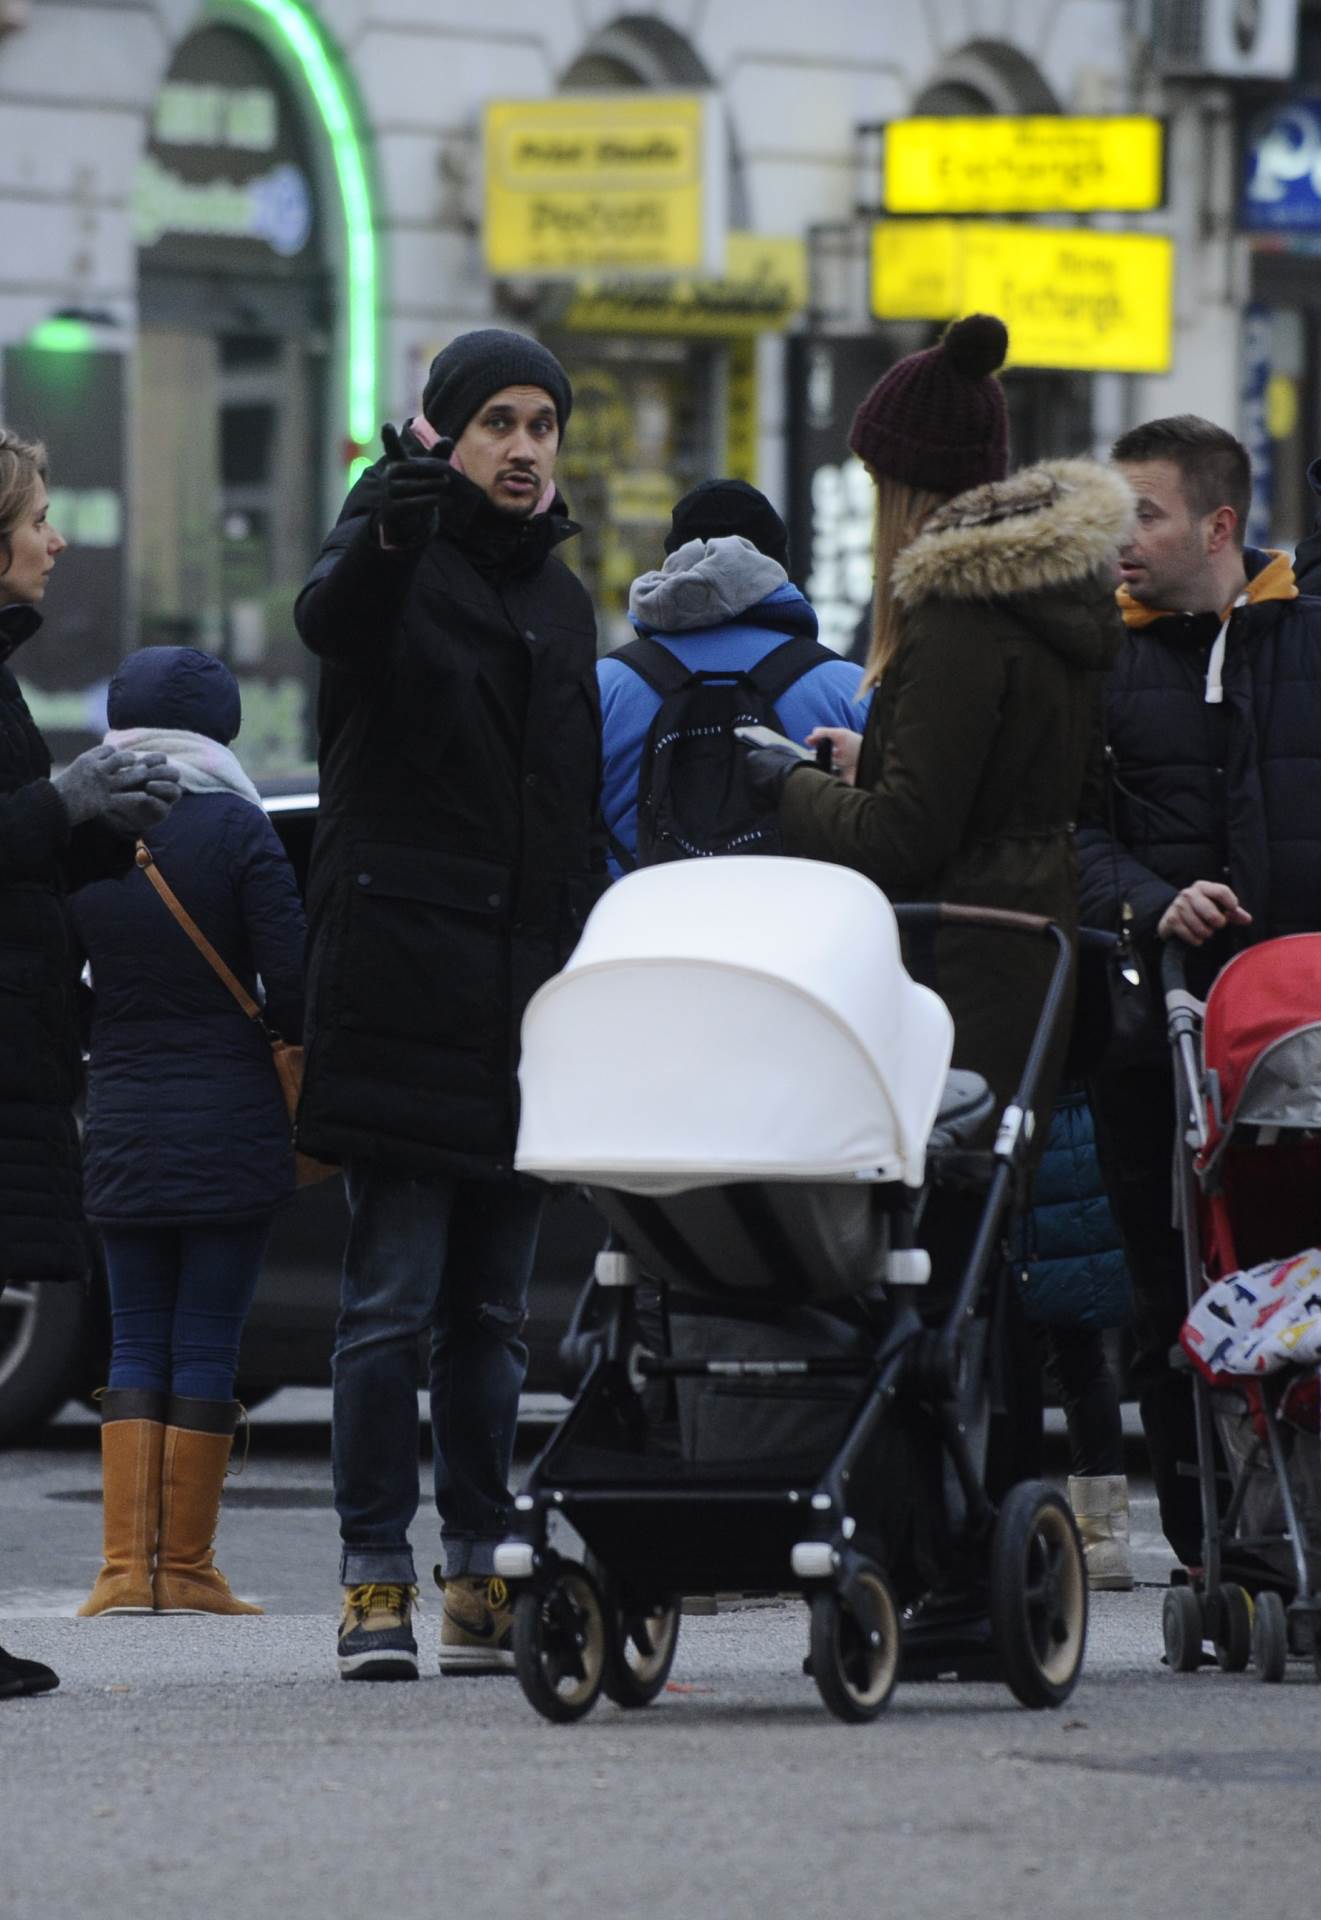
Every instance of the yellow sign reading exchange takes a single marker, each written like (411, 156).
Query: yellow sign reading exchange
(1070, 297)
(1045, 163)
(621, 182)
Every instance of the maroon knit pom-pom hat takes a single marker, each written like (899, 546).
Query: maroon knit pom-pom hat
(937, 419)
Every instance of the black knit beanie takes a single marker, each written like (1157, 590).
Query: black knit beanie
(937, 419)
(721, 507)
(476, 365)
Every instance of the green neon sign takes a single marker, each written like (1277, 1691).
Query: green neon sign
(62, 334)
(303, 37)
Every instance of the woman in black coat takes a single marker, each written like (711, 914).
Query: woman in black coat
(53, 835)
(187, 1141)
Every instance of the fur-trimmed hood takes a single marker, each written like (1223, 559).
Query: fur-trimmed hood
(1046, 526)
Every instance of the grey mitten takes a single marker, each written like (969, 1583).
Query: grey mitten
(144, 804)
(135, 813)
(88, 782)
(129, 791)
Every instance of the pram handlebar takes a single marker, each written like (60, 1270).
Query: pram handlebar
(1183, 1017)
(1018, 1122)
(1173, 967)
(943, 914)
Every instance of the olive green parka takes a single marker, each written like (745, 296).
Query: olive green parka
(981, 733)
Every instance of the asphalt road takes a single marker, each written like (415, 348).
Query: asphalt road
(196, 1768)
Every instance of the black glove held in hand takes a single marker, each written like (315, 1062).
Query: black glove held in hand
(411, 486)
(105, 777)
(768, 768)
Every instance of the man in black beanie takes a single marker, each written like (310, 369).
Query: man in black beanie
(455, 861)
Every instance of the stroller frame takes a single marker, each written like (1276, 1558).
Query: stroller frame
(659, 1528)
(1239, 1608)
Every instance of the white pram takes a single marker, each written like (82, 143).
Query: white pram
(738, 1065)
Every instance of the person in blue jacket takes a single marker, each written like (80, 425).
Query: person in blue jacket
(187, 1148)
(718, 607)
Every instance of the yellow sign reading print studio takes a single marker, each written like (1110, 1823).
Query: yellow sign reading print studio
(608, 182)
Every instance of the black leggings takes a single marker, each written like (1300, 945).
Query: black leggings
(1089, 1394)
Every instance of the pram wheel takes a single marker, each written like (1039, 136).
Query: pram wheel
(560, 1643)
(1233, 1628)
(855, 1647)
(1038, 1595)
(640, 1647)
(1182, 1629)
(1270, 1638)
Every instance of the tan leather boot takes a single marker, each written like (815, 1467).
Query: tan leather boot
(198, 1438)
(132, 1435)
(1100, 1506)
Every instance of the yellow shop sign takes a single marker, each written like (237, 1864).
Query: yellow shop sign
(763, 286)
(1071, 297)
(1045, 163)
(619, 183)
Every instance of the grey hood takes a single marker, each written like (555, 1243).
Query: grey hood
(703, 584)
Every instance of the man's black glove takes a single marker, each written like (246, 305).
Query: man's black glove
(768, 768)
(410, 487)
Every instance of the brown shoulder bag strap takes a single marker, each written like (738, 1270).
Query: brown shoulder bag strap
(194, 932)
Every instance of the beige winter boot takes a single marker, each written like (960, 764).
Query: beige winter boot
(198, 1438)
(132, 1433)
(1100, 1506)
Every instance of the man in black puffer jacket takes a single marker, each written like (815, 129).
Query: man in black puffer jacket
(1307, 556)
(457, 855)
(1214, 735)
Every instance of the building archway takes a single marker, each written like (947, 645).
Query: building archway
(256, 362)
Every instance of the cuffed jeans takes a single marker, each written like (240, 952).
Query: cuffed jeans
(450, 1257)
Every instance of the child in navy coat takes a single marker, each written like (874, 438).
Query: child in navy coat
(187, 1150)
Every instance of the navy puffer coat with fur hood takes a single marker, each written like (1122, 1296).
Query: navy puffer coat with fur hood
(186, 1125)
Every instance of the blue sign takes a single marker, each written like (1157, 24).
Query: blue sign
(1254, 378)
(1282, 186)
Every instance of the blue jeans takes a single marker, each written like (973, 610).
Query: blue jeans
(178, 1299)
(450, 1257)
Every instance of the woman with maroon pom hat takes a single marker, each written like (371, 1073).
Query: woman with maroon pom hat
(994, 622)
(994, 619)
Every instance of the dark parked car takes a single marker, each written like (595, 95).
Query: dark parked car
(54, 1339)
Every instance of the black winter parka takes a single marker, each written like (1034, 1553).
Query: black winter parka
(458, 849)
(42, 1232)
(977, 742)
(1225, 791)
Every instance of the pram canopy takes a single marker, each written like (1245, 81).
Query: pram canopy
(740, 1019)
(1262, 1042)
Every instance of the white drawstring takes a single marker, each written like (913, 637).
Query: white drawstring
(1215, 666)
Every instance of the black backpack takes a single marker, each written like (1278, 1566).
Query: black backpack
(694, 797)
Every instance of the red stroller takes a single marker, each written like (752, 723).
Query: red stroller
(1248, 1190)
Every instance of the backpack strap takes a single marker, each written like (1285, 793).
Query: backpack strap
(655, 664)
(624, 860)
(777, 670)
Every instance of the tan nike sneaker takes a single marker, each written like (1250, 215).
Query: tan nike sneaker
(477, 1627)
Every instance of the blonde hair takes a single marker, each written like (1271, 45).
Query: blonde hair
(22, 471)
(900, 513)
